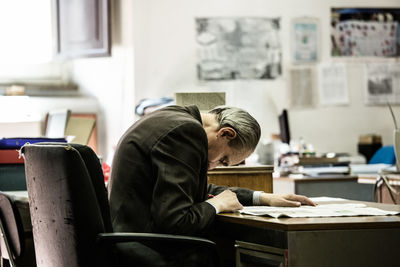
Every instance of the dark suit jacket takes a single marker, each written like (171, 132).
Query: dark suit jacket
(159, 175)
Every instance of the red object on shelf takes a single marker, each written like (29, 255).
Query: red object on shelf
(10, 156)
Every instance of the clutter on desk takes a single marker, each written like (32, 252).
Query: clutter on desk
(322, 164)
(301, 160)
(368, 144)
(368, 169)
(383, 160)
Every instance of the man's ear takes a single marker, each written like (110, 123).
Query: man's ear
(228, 132)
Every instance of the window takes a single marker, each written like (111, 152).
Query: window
(27, 41)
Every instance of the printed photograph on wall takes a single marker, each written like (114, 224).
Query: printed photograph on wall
(365, 32)
(305, 40)
(238, 48)
(382, 83)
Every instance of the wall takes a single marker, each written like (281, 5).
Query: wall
(165, 62)
(110, 80)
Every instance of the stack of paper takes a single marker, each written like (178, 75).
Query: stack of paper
(368, 168)
(326, 210)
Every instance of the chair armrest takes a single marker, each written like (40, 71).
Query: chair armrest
(130, 237)
(119, 237)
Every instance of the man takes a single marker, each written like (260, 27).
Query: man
(159, 174)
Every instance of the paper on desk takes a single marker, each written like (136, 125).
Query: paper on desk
(325, 199)
(326, 210)
(367, 168)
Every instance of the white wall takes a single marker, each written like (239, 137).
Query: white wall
(110, 80)
(154, 55)
(165, 62)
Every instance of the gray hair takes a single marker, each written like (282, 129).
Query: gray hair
(247, 129)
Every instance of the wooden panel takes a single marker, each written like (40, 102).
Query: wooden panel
(256, 178)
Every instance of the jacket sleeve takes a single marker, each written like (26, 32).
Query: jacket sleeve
(179, 161)
(244, 195)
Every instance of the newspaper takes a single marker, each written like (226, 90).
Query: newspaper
(325, 210)
(382, 83)
(333, 89)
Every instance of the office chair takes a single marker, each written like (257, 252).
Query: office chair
(70, 213)
(15, 247)
(385, 155)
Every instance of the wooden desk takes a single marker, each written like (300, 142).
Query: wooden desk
(297, 242)
(331, 186)
(252, 177)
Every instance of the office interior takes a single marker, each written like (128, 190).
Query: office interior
(154, 54)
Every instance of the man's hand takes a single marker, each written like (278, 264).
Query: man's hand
(288, 200)
(226, 201)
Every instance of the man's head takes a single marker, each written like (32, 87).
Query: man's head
(235, 137)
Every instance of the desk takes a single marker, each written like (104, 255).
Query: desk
(252, 177)
(331, 186)
(297, 242)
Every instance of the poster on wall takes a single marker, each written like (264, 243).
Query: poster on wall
(382, 84)
(238, 48)
(332, 79)
(305, 40)
(301, 87)
(365, 32)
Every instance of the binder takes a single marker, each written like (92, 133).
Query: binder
(18, 142)
(10, 156)
(12, 177)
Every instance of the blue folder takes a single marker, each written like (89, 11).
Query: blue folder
(18, 142)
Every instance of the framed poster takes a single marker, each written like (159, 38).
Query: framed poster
(365, 32)
(305, 40)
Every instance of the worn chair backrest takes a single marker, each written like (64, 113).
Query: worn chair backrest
(94, 168)
(65, 212)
